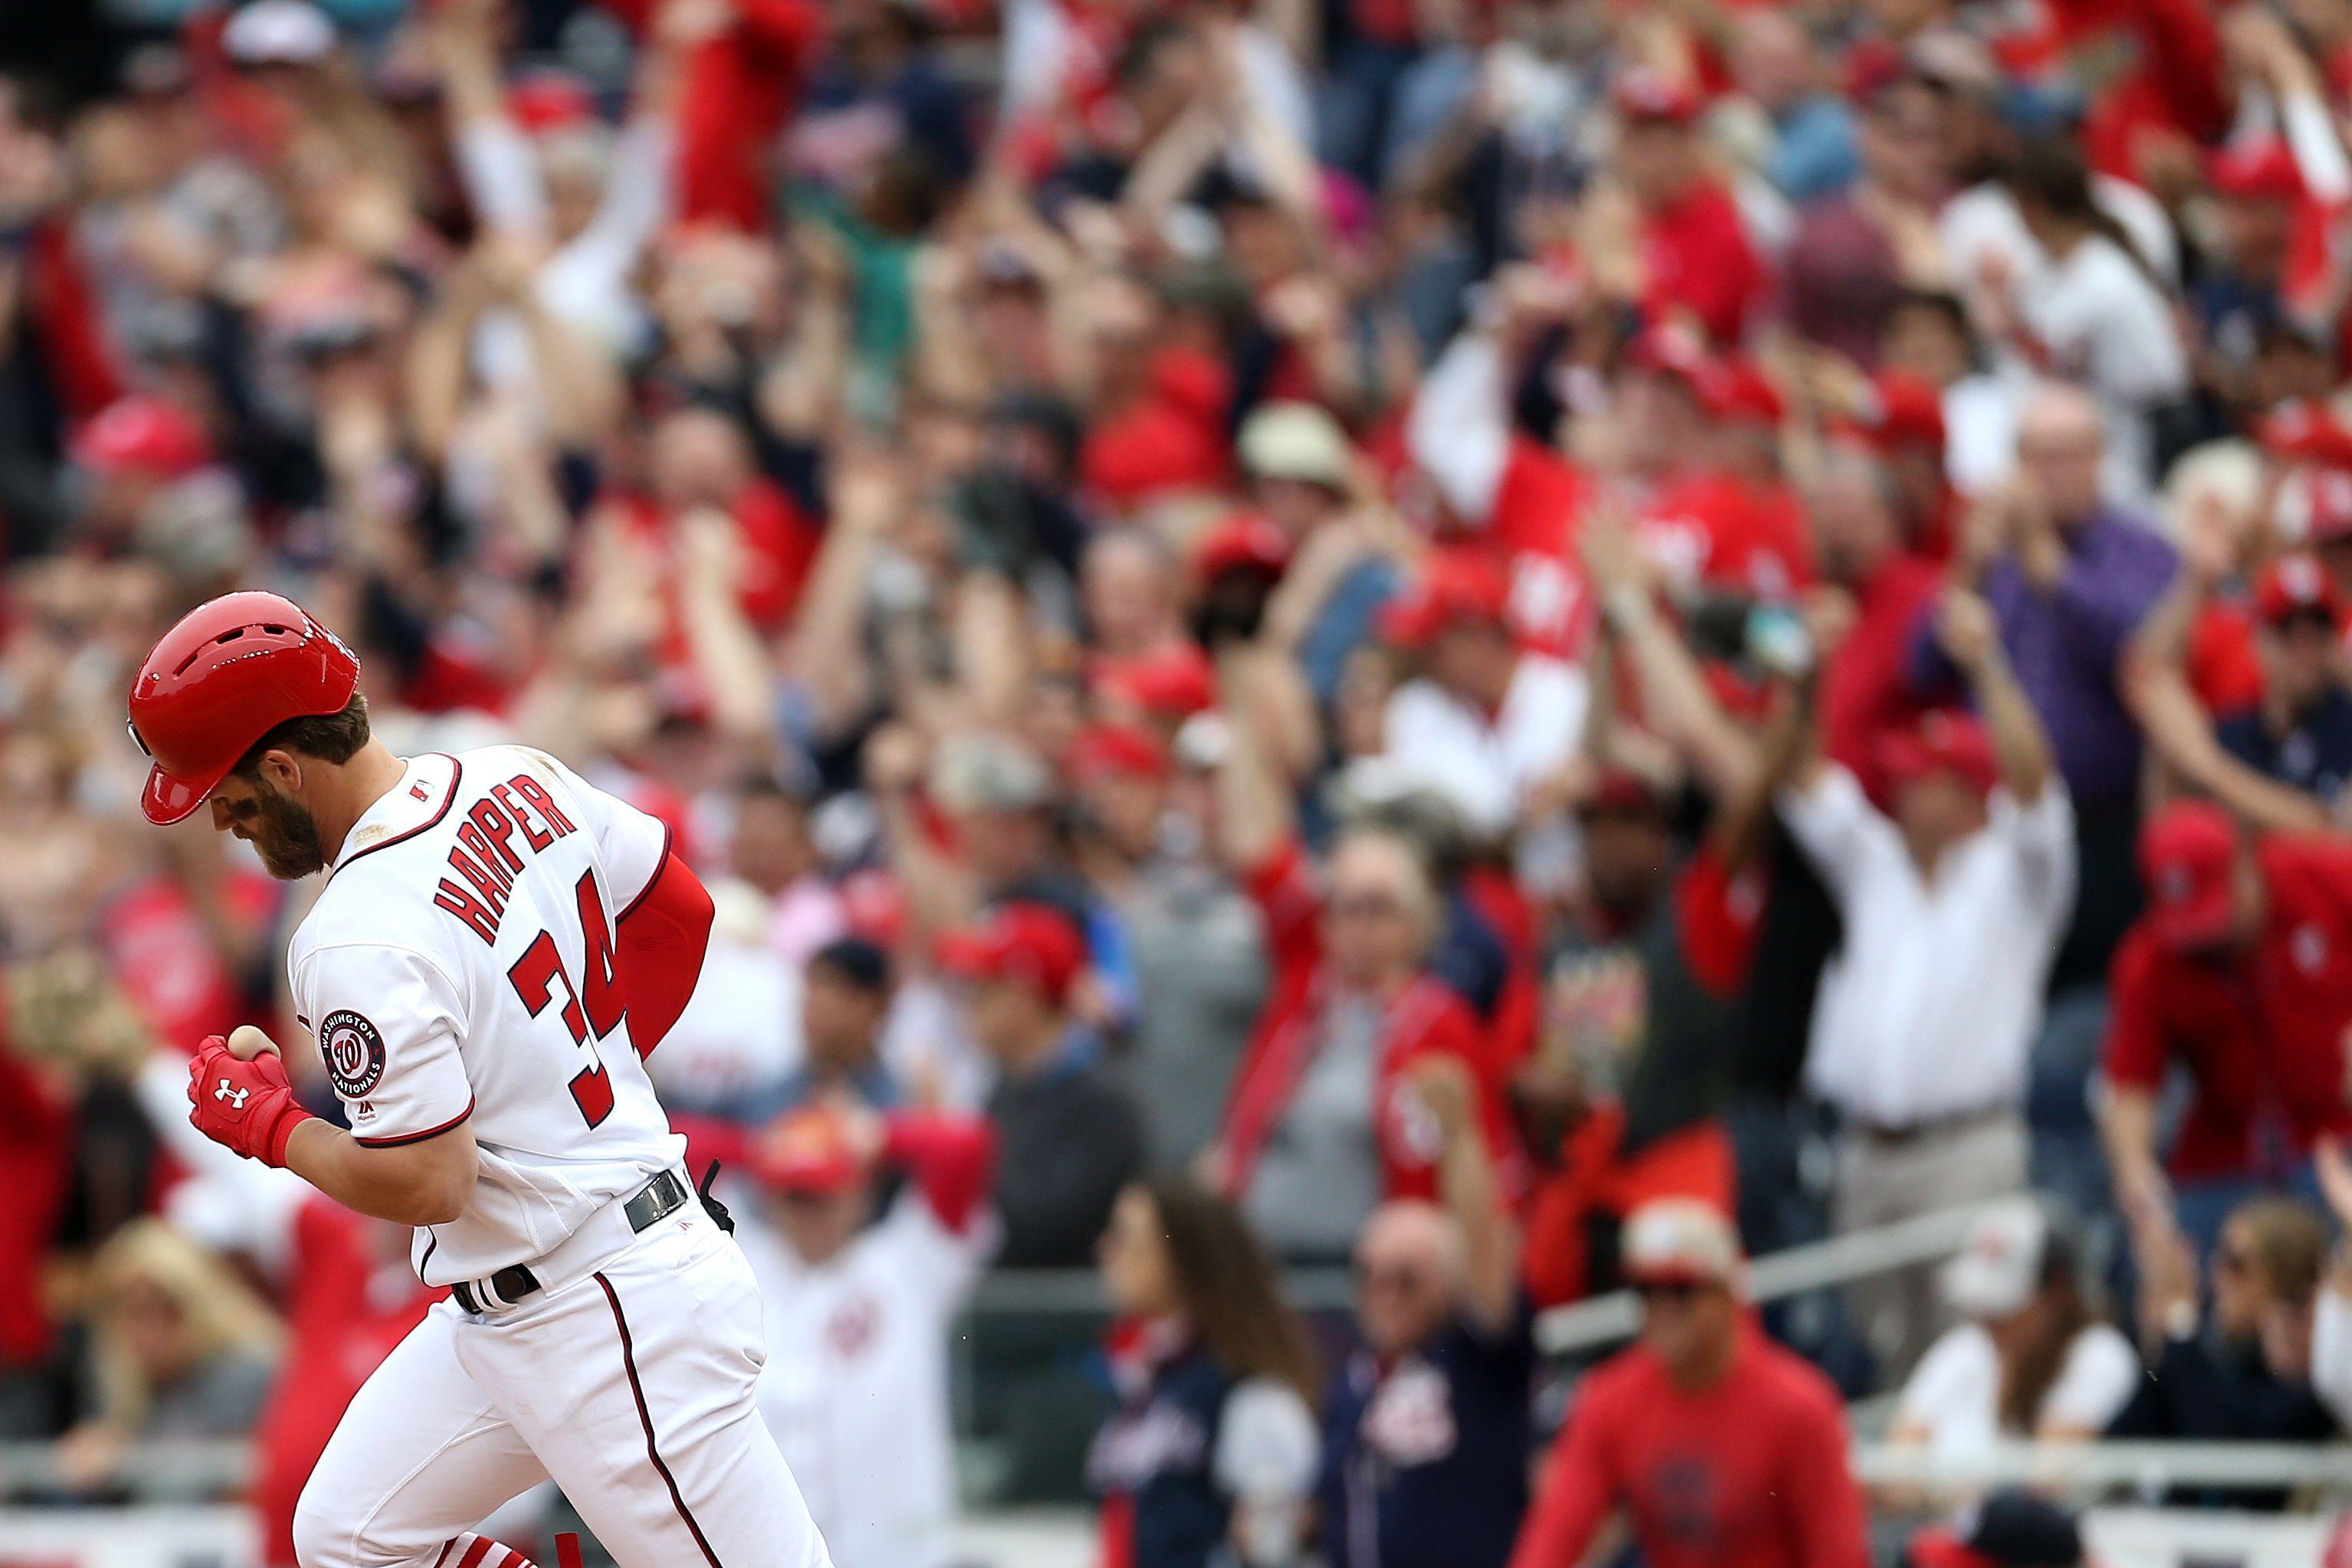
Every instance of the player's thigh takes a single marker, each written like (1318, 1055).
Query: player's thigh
(648, 1421)
(422, 1455)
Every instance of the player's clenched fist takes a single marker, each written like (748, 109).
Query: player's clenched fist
(248, 1106)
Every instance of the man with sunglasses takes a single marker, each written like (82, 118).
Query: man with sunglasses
(1720, 1448)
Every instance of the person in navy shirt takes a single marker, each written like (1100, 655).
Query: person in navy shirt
(2299, 731)
(1209, 1459)
(1427, 1435)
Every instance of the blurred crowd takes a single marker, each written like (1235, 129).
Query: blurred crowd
(1522, 645)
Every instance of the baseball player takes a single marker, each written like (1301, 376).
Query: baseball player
(496, 947)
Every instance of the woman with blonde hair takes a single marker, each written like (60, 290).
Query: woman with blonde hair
(179, 1348)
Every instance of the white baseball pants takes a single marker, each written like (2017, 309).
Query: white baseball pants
(631, 1388)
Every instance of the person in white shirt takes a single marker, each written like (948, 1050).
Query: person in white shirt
(2094, 314)
(1954, 900)
(1483, 720)
(859, 1312)
(2030, 1360)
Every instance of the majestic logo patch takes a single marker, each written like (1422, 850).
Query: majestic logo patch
(353, 1052)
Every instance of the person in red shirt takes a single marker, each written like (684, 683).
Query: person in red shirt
(1723, 1450)
(1867, 692)
(2240, 972)
(1694, 255)
(1352, 1007)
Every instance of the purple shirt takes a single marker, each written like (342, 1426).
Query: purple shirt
(2066, 646)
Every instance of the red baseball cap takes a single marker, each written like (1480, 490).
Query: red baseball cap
(2327, 502)
(1944, 741)
(2187, 853)
(2295, 585)
(143, 435)
(1244, 541)
(808, 1149)
(1645, 95)
(1175, 683)
(2307, 431)
(2263, 170)
(1116, 751)
(1452, 589)
(1904, 411)
(1027, 944)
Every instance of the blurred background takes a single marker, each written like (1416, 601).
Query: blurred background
(1380, 695)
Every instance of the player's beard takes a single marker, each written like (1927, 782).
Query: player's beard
(286, 836)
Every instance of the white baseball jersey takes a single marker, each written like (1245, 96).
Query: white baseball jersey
(458, 966)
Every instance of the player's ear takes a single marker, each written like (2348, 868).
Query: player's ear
(282, 770)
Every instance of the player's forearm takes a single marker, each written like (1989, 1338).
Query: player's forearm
(424, 1183)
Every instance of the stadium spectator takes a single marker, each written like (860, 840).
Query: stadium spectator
(1716, 1445)
(179, 1348)
(2071, 574)
(1210, 1455)
(2030, 1359)
(1481, 722)
(1953, 903)
(1425, 1433)
(770, 847)
(1323, 1122)
(2244, 940)
(1191, 938)
(846, 988)
(860, 1305)
(1067, 1133)
(2241, 1370)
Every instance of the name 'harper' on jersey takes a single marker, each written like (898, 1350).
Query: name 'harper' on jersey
(485, 855)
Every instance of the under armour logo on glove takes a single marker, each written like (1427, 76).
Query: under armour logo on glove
(248, 1106)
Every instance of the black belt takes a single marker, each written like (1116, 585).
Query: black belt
(1883, 1133)
(666, 1193)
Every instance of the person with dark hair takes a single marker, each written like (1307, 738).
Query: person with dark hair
(846, 995)
(2031, 1360)
(2096, 315)
(769, 846)
(1210, 1453)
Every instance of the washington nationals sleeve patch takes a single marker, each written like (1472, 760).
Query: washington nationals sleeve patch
(354, 1050)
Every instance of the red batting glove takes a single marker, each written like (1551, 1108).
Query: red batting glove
(248, 1106)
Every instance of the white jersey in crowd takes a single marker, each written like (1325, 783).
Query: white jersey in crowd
(458, 966)
(856, 1388)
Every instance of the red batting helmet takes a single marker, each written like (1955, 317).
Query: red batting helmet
(231, 670)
